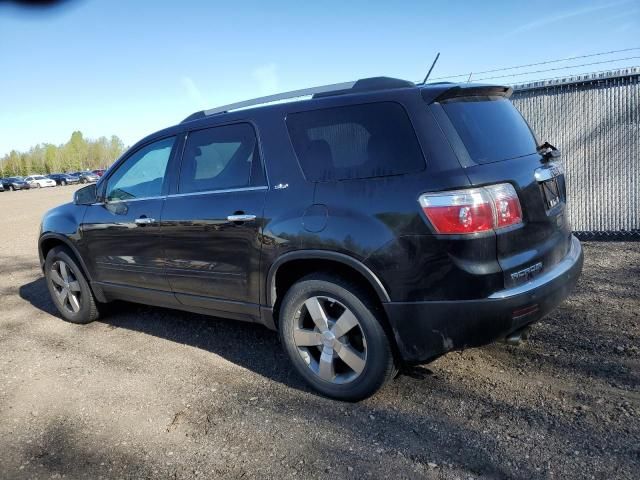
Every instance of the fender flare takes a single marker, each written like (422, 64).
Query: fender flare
(67, 243)
(347, 260)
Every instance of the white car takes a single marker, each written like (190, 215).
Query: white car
(37, 181)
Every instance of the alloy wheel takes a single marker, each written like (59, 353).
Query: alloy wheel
(66, 287)
(330, 340)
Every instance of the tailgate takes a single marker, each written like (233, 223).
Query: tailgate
(494, 144)
(543, 239)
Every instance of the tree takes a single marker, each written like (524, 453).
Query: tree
(78, 153)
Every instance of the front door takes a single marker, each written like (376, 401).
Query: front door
(213, 220)
(122, 235)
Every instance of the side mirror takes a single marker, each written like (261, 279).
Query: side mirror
(86, 195)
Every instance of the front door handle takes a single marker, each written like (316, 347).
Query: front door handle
(241, 218)
(144, 221)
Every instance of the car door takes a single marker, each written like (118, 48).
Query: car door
(121, 234)
(212, 221)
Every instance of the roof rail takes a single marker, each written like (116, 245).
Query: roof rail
(375, 83)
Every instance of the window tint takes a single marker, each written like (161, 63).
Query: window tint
(359, 141)
(491, 129)
(142, 174)
(219, 158)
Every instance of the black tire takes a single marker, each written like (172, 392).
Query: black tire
(379, 366)
(63, 183)
(12, 188)
(88, 310)
(39, 186)
(83, 180)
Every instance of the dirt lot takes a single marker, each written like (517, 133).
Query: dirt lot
(153, 393)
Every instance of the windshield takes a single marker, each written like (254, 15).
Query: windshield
(491, 128)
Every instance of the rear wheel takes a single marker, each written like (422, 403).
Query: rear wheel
(63, 183)
(39, 186)
(69, 288)
(12, 188)
(331, 331)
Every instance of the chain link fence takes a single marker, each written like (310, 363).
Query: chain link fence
(595, 122)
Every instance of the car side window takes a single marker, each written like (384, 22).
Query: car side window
(142, 174)
(220, 158)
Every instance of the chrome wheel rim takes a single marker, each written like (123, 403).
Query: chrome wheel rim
(330, 340)
(66, 287)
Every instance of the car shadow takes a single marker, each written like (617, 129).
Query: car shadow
(248, 345)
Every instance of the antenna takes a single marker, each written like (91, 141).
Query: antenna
(432, 65)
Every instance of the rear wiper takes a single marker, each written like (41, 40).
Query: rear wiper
(548, 151)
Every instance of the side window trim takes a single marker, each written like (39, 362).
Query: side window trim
(167, 174)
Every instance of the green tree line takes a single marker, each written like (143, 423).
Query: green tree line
(79, 153)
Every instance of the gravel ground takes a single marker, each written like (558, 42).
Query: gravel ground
(154, 393)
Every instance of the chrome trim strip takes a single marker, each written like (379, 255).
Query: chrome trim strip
(133, 199)
(205, 192)
(559, 269)
(227, 190)
(241, 218)
(547, 172)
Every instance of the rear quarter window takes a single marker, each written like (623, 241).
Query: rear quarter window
(357, 141)
(491, 129)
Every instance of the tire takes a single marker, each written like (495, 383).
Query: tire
(355, 333)
(12, 188)
(83, 180)
(39, 186)
(63, 183)
(61, 288)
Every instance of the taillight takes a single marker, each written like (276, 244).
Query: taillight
(472, 210)
(506, 204)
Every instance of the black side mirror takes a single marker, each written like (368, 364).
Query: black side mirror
(86, 195)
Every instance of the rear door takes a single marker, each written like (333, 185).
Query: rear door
(212, 221)
(121, 235)
(495, 145)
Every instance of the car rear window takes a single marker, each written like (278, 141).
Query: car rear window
(491, 129)
(359, 141)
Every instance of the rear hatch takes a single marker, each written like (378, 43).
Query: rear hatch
(494, 144)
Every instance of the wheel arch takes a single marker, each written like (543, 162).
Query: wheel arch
(318, 257)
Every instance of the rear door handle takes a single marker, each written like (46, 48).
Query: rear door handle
(241, 218)
(144, 221)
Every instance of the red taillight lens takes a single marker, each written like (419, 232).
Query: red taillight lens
(472, 210)
(506, 204)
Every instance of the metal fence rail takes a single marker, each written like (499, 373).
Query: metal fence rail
(596, 125)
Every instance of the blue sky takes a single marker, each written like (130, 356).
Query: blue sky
(130, 68)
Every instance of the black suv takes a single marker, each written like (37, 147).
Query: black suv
(377, 223)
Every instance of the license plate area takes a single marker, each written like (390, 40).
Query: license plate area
(551, 193)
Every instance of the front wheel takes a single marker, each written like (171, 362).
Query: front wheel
(69, 288)
(39, 186)
(332, 333)
(63, 183)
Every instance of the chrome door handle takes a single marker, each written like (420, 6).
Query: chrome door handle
(144, 221)
(241, 218)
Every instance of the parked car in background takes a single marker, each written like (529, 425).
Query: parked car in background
(64, 179)
(1, 185)
(86, 177)
(39, 181)
(99, 172)
(374, 225)
(15, 183)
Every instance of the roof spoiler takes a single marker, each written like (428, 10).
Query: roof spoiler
(459, 91)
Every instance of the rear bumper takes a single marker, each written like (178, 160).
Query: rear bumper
(425, 330)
